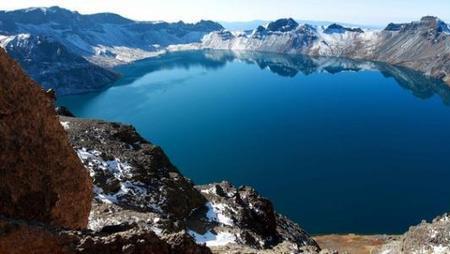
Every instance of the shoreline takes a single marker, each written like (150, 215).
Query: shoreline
(354, 243)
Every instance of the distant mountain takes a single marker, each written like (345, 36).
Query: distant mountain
(423, 45)
(104, 39)
(53, 66)
(251, 25)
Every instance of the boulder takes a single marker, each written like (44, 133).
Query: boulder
(41, 177)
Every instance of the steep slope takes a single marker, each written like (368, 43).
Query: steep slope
(422, 45)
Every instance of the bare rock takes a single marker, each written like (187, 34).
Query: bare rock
(41, 177)
(426, 238)
(246, 221)
(63, 111)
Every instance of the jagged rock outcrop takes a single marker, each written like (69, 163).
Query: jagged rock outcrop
(335, 28)
(425, 238)
(245, 219)
(36, 159)
(282, 25)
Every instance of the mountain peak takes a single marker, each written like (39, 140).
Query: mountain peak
(429, 23)
(434, 23)
(336, 28)
(44, 10)
(209, 24)
(282, 25)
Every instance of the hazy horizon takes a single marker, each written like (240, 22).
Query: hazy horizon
(380, 12)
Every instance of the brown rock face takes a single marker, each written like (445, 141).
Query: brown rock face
(18, 237)
(41, 177)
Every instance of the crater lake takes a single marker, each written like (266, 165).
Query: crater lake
(339, 146)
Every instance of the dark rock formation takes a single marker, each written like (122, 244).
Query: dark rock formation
(36, 159)
(252, 218)
(393, 27)
(335, 28)
(63, 111)
(282, 25)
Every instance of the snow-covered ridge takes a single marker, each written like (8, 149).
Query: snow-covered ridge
(287, 36)
(422, 45)
(19, 39)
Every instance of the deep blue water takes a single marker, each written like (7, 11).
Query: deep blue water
(337, 148)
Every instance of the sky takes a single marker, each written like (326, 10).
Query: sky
(371, 12)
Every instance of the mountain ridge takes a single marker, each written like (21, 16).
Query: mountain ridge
(422, 45)
(103, 39)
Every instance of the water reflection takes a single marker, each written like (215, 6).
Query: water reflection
(288, 66)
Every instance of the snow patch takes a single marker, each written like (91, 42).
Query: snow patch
(216, 213)
(93, 158)
(441, 249)
(65, 125)
(211, 239)
(133, 191)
